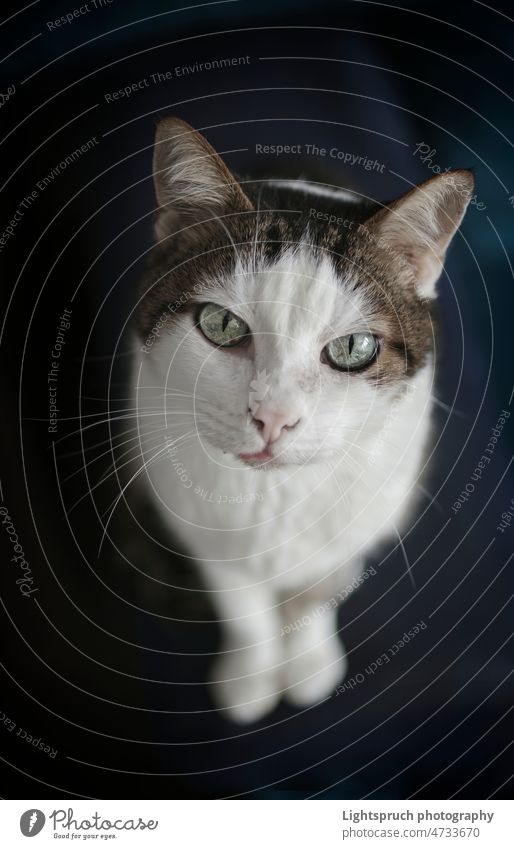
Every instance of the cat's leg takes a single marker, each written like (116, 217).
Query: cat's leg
(316, 660)
(245, 679)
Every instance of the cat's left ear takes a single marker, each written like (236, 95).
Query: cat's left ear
(420, 225)
(192, 183)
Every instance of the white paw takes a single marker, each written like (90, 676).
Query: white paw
(244, 686)
(312, 676)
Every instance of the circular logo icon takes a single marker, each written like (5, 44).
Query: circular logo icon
(31, 822)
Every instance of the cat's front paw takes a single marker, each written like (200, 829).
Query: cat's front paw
(313, 675)
(244, 685)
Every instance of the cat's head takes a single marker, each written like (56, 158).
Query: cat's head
(286, 319)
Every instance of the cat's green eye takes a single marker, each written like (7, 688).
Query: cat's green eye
(352, 352)
(221, 326)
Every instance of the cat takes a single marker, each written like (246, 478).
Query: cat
(283, 376)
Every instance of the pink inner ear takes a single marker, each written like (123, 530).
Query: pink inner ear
(421, 224)
(426, 263)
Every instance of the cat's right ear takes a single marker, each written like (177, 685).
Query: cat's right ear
(419, 226)
(192, 183)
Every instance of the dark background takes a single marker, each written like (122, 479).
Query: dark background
(106, 662)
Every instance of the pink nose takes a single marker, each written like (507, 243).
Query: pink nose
(272, 422)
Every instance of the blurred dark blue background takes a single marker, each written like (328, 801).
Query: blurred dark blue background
(80, 667)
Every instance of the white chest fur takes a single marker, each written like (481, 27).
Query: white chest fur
(299, 523)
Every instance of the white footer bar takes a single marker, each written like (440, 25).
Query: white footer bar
(258, 824)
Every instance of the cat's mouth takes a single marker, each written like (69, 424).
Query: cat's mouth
(258, 459)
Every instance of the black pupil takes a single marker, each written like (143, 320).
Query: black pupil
(350, 345)
(226, 319)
